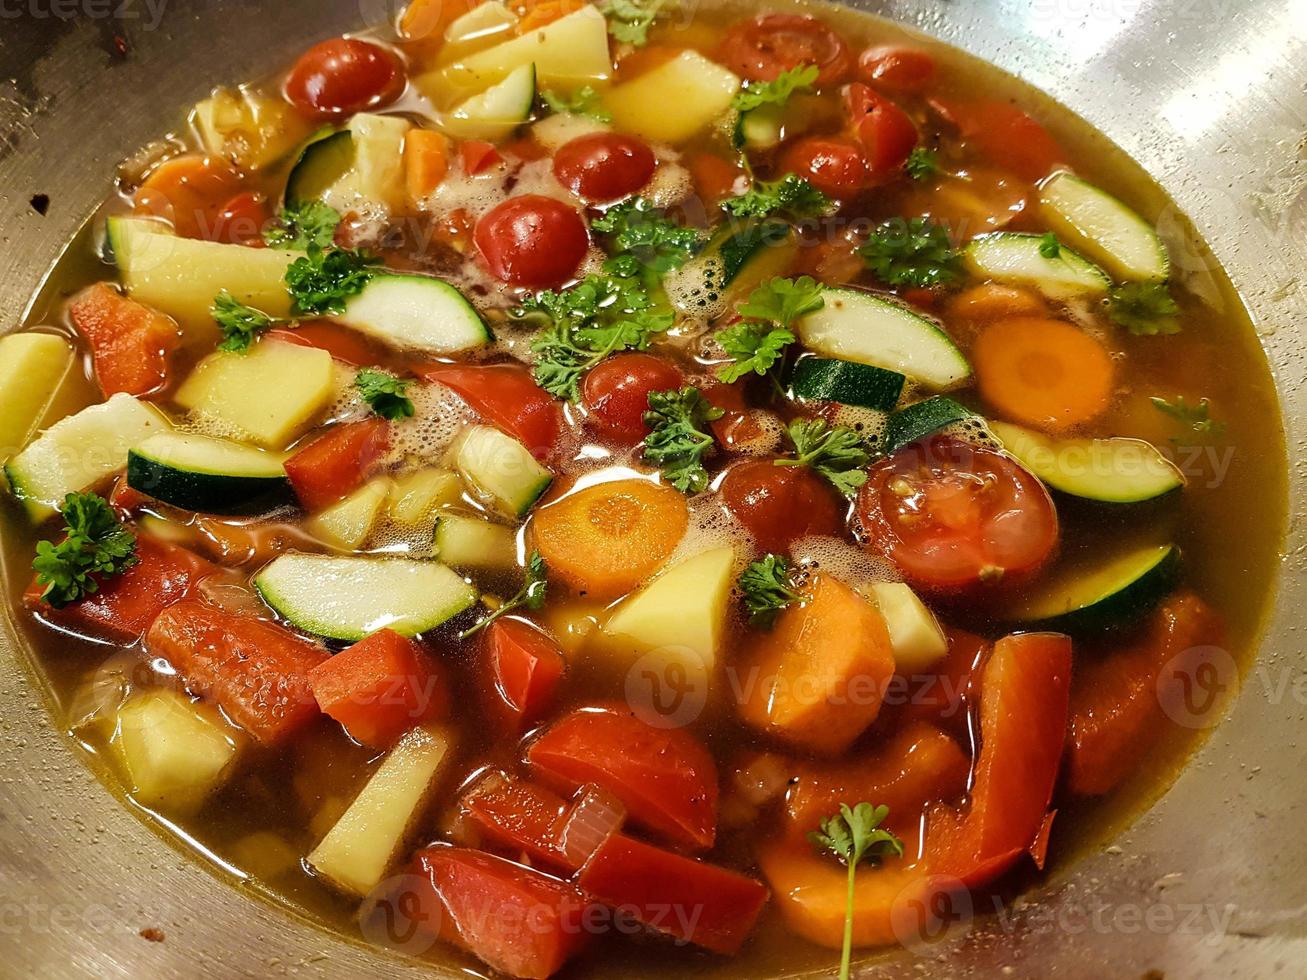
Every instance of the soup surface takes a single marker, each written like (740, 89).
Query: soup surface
(623, 491)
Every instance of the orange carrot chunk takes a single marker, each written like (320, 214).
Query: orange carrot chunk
(426, 161)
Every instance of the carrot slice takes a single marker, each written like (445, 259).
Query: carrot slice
(426, 161)
(1046, 373)
(543, 12)
(993, 301)
(604, 540)
(426, 20)
(191, 191)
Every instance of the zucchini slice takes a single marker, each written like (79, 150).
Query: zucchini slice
(496, 112)
(416, 312)
(868, 329)
(324, 159)
(1112, 471)
(1112, 594)
(1103, 228)
(213, 476)
(826, 379)
(1009, 256)
(733, 262)
(500, 469)
(920, 419)
(348, 598)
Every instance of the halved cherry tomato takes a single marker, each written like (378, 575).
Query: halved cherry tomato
(340, 342)
(190, 191)
(778, 504)
(506, 396)
(902, 69)
(762, 48)
(1006, 135)
(885, 131)
(616, 392)
(337, 462)
(954, 516)
(523, 666)
(343, 76)
(242, 220)
(666, 780)
(603, 168)
(532, 241)
(833, 164)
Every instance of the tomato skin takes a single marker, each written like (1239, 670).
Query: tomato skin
(886, 133)
(834, 165)
(343, 76)
(778, 504)
(957, 518)
(616, 392)
(478, 156)
(760, 49)
(191, 191)
(900, 69)
(1005, 135)
(341, 343)
(532, 241)
(242, 220)
(506, 396)
(603, 168)
(523, 667)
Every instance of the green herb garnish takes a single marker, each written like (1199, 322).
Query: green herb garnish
(629, 20)
(321, 281)
(913, 252)
(766, 590)
(240, 324)
(585, 101)
(778, 91)
(677, 441)
(644, 231)
(835, 452)
(758, 342)
(1143, 308)
(97, 544)
(790, 195)
(921, 164)
(1049, 246)
(303, 224)
(530, 596)
(385, 394)
(1197, 418)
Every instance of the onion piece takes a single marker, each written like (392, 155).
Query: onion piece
(595, 817)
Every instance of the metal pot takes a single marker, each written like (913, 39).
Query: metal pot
(1210, 96)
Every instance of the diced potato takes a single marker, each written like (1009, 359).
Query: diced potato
(416, 496)
(32, 368)
(347, 525)
(270, 394)
(674, 101)
(913, 630)
(378, 171)
(248, 128)
(475, 544)
(358, 851)
(173, 751)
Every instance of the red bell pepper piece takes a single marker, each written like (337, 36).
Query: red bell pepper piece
(507, 397)
(666, 780)
(340, 342)
(518, 921)
(524, 666)
(380, 687)
(128, 603)
(678, 896)
(337, 462)
(256, 671)
(517, 815)
(131, 344)
(126, 500)
(478, 156)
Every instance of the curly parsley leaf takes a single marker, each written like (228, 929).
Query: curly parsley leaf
(1143, 308)
(677, 441)
(240, 324)
(922, 164)
(644, 231)
(835, 452)
(303, 224)
(1049, 246)
(755, 347)
(1196, 418)
(912, 253)
(385, 394)
(530, 596)
(790, 195)
(629, 20)
(97, 544)
(321, 281)
(784, 300)
(584, 101)
(778, 91)
(766, 589)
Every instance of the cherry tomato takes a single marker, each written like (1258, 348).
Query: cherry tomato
(953, 516)
(506, 396)
(241, 220)
(532, 241)
(343, 76)
(833, 165)
(1005, 135)
(616, 392)
(901, 69)
(885, 131)
(778, 504)
(762, 48)
(602, 168)
(192, 192)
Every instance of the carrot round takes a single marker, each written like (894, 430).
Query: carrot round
(994, 300)
(1046, 373)
(605, 540)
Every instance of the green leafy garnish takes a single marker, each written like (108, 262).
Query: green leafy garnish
(758, 342)
(835, 452)
(530, 596)
(1197, 418)
(239, 323)
(1143, 308)
(1049, 246)
(629, 20)
(677, 442)
(766, 589)
(851, 835)
(784, 300)
(644, 231)
(323, 280)
(385, 394)
(790, 195)
(97, 544)
(303, 224)
(778, 91)
(584, 101)
(921, 164)
(912, 253)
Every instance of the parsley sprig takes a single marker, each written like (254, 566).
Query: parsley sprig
(629, 20)
(1049, 246)
(385, 394)
(530, 596)
(835, 452)
(677, 441)
(1196, 418)
(96, 545)
(639, 229)
(302, 224)
(1144, 308)
(922, 164)
(778, 91)
(759, 341)
(851, 835)
(789, 195)
(240, 324)
(584, 101)
(766, 589)
(912, 252)
(321, 281)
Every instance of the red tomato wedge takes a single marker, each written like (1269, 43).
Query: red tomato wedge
(761, 48)
(337, 462)
(518, 921)
(677, 896)
(520, 816)
(886, 133)
(128, 603)
(523, 666)
(834, 165)
(340, 342)
(955, 517)
(666, 780)
(380, 687)
(256, 671)
(1007, 136)
(242, 220)
(131, 345)
(507, 397)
